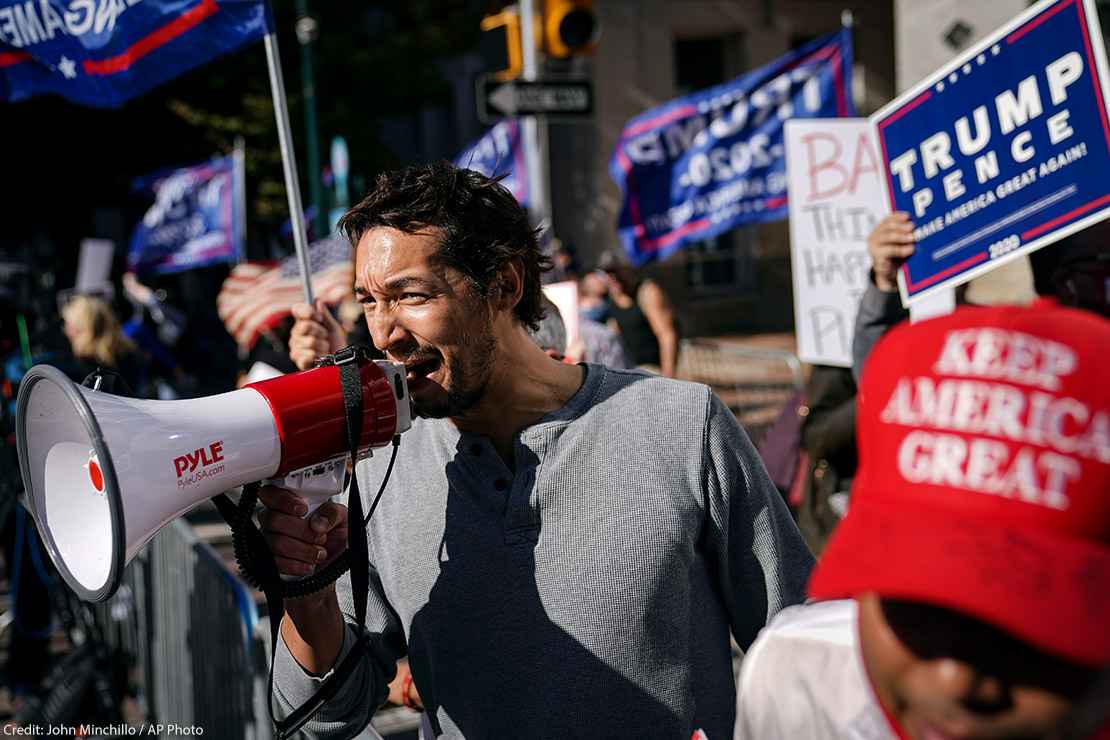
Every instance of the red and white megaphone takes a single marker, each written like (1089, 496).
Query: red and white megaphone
(103, 473)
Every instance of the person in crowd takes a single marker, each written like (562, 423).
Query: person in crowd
(96, 340)
(564, 263)
(550, 334)
(561, 550)
(642, 313)
(828, 435)
(597, 342)
(966, 592)
(599, 345)
(889, 244)
(155, 328)
(593, 297)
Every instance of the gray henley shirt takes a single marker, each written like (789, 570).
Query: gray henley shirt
(590, 592)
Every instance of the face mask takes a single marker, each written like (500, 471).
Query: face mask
(598, 313)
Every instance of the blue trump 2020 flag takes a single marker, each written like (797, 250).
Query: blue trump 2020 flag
(713, 160)
(499, 152)
(102, 53)
(192, 222)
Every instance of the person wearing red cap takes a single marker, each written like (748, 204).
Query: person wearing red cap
(966, 594)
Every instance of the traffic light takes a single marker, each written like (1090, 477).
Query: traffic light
(569, 27)
(500, 44)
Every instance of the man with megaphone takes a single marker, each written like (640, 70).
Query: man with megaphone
(561, 550)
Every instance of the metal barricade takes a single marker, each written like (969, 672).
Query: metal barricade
(191, 628)
(754, 382)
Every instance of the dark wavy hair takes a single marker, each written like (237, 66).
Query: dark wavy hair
(481, 226)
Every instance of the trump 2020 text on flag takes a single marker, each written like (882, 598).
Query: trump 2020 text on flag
(713, 160)
(192, 222)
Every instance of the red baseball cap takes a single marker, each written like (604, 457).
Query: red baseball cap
(984, 475)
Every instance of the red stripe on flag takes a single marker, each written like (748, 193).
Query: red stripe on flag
(1038, 230)
(184, 22)
(907, 108)
(974, 260)
(1094, 77)
(654, 245)
(254, 298)
(660, 120)
(1043, 17)
(270, 313)
(9, 58)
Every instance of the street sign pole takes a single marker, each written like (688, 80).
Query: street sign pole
(534, 161)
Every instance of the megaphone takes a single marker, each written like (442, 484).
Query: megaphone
(103, 473)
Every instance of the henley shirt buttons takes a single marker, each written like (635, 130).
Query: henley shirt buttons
(501, 484)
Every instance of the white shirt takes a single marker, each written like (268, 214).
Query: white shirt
(804, 678)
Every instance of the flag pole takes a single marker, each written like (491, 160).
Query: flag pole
(288, 162)
(239, 158)
(848, 23)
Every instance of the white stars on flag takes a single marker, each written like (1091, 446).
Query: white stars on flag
(964, 70)
(67, 67)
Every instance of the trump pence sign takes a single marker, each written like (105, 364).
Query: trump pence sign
(1003, 151)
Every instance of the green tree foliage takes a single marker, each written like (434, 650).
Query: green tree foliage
(370, 61)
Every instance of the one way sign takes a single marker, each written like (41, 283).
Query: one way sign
(548, 98)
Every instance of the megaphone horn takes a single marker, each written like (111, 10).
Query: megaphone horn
(103, 473)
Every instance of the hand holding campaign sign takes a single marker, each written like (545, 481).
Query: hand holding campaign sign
(706, 163)
(1003, 151)
(836, 198)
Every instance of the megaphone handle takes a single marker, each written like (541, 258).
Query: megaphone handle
(314, 500)
(316, 484)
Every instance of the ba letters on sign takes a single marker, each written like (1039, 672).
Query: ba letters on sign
(836, 199)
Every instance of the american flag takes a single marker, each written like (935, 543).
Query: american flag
(258, 295)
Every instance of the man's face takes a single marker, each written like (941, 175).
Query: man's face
(945, 675)
(425, 315)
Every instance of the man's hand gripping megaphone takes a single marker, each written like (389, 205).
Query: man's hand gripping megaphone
(304, 528)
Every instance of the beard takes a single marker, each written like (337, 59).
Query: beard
(468, 375)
